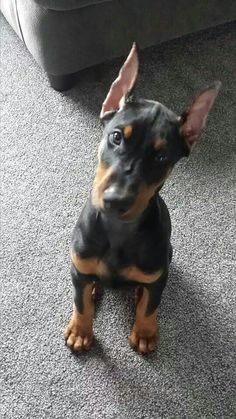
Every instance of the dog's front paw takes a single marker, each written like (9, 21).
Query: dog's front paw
(76, 337)
(144, 341)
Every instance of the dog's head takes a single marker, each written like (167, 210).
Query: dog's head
(142, 140)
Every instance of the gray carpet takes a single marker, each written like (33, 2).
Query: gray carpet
(48, 155)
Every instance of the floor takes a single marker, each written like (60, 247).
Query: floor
(49, 144)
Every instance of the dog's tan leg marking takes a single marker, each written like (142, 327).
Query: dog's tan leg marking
(145, 333)
(79, 332)
(138, 294)
(135, 274)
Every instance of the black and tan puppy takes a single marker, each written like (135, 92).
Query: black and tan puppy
(123, 233)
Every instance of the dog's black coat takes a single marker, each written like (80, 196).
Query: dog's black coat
(145, 241)
(123, 234)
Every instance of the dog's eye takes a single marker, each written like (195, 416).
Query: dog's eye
(160, 157)
(115, 137)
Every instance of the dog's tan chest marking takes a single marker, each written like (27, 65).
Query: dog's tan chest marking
(91, 266)
(95, 266)
(132, 273)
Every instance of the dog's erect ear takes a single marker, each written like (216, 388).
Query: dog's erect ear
(194, 118)
(124, 84)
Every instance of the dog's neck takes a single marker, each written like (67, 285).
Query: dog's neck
(118, 231)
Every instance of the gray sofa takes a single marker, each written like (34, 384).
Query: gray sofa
(66, 36)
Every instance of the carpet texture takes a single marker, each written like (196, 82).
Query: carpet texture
(49, 145)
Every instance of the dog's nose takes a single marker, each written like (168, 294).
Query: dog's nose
(115, 202)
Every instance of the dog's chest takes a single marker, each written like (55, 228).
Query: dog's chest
(130, 247)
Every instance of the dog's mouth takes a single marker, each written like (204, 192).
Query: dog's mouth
(125, 207)
(129, 208)
(117, 206)
(115, 211)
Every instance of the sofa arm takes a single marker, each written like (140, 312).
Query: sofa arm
(67, 4)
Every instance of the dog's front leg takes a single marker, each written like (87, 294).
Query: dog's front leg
(145, 332)
(79, 332)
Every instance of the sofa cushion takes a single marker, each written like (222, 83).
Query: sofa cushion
(67, 4)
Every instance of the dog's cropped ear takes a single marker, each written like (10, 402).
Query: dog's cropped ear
(194, 118)
(123, 85)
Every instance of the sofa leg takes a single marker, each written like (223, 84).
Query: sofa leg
(64, 82)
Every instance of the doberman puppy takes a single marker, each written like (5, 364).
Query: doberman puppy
(123, 233)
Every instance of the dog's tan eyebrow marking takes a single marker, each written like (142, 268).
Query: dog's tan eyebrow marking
(159, 143)
(128, 131)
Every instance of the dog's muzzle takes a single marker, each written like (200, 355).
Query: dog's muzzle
(116, 201)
